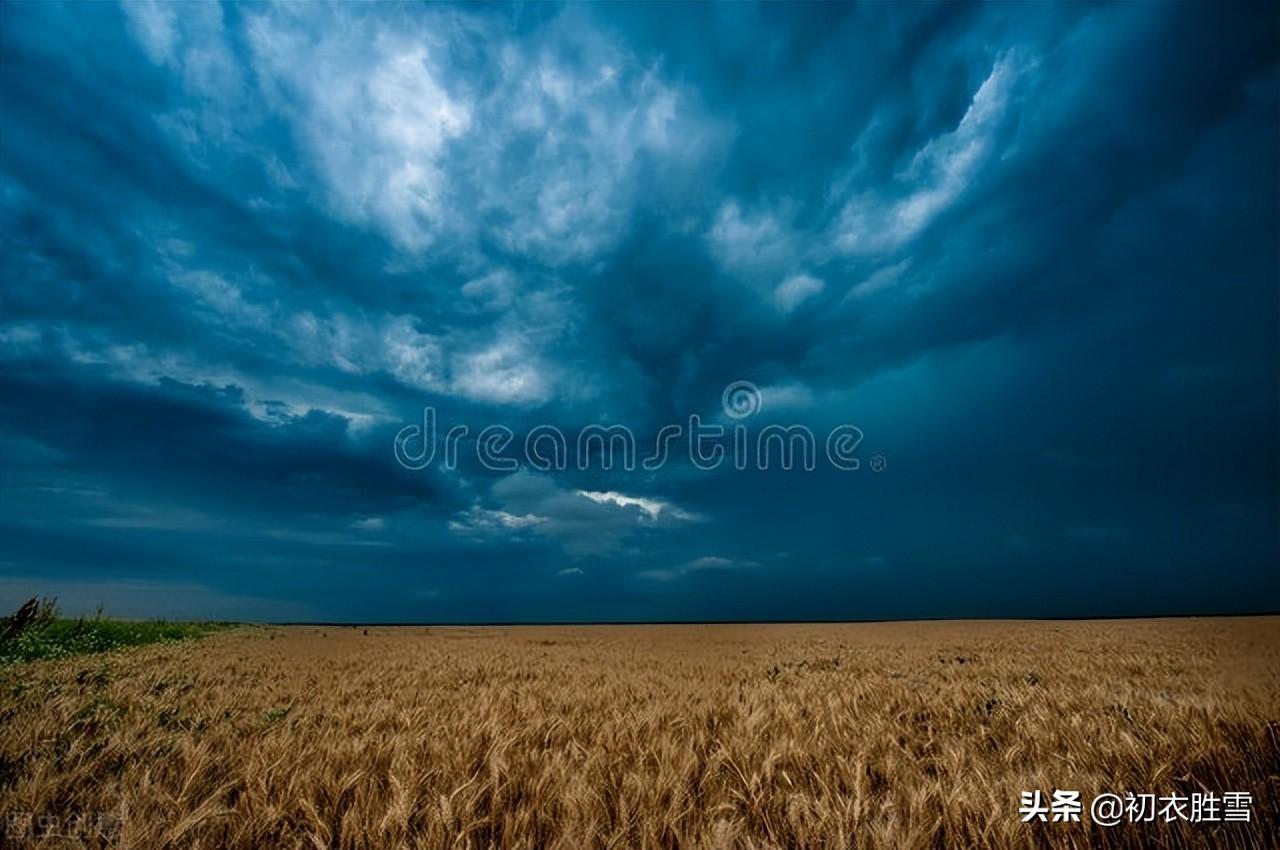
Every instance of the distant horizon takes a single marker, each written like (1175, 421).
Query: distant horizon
(1014, 619)
(81, 612)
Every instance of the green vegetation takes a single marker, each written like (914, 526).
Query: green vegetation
(41, 634)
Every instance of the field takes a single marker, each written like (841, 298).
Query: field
(899, 735)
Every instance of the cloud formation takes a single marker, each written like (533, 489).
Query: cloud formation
(1026, 252)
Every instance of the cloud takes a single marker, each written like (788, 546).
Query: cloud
(704, 564)
(880, 280)
(386, 168)
(154, 24)
(583, 522)
(480, 521)
(494, 290)
(193, 45)
(796, 290)
(311, 221)
(937, 175)
(501, 373)
(715, 562)
(792, 396)
(152, 517)
(751, 242)
(651, 508)
(540, 147)
(586, 130)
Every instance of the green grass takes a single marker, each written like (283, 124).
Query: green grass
(61, 638)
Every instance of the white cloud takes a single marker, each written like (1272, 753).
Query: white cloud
(415, 358)
(135, 516)
(785, 396)
(707, 563)
(220, 295)
(878, 281)
(504, 369)
(580, 140)
(494, 290)
(710, 562)
(272, 400)
(484, 522)
(542, 157)
(651, 508)
(193, 43)
(370, 106)
(796, 290)
(503, 373)
(154, 25)
(358, 345)
(540, 145)
(584, 522)
(936, 176)
(748, 243)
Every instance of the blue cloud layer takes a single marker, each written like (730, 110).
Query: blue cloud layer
(1030, 252)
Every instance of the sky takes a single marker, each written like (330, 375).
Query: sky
(1025, 254)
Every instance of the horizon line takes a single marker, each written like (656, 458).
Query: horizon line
(742, 622)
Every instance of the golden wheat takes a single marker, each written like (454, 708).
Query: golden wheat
(799, 736)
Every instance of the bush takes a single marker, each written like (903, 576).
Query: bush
(47, 635)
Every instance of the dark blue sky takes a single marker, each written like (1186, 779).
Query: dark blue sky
(1030, 251)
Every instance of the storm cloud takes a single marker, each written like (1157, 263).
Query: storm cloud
(1030, 252)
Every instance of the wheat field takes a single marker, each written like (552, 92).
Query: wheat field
(902, 735)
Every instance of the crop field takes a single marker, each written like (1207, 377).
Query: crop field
(896, 735)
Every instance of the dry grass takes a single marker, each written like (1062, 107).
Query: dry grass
(833, 736)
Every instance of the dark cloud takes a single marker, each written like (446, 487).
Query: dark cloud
(1031, 253)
